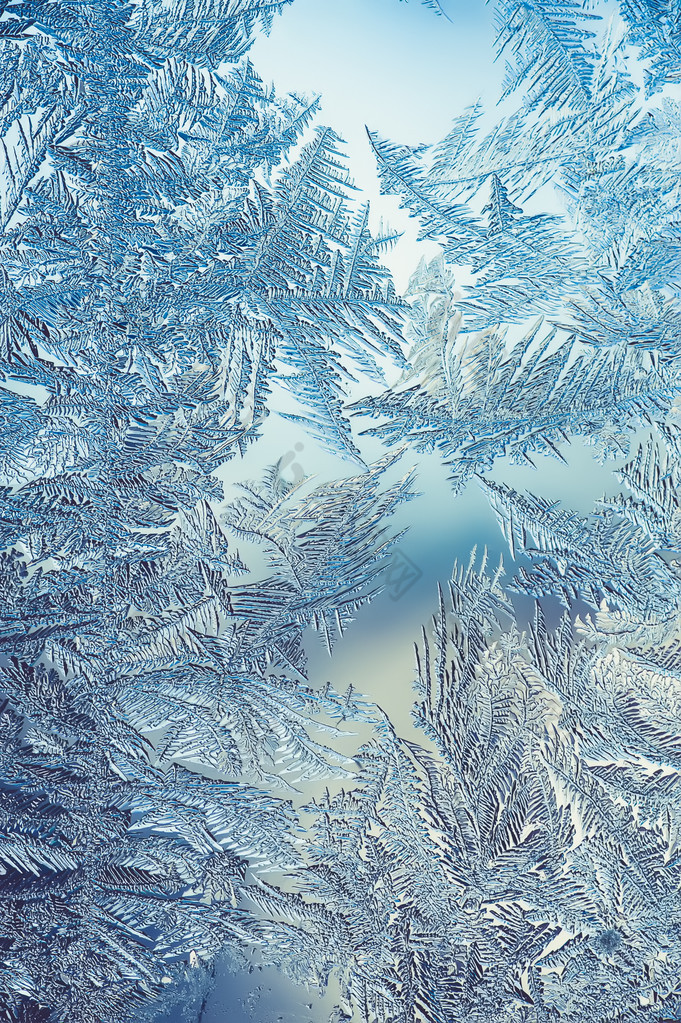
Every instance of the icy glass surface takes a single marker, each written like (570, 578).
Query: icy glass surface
(340, 671)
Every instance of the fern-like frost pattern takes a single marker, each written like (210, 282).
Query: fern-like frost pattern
(181, 252)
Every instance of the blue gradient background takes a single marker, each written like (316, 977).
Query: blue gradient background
(393, 66)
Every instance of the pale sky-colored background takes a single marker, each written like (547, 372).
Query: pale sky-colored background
(393, 66)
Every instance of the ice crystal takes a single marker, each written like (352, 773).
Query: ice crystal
(178, 244)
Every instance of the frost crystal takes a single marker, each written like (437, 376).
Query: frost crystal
(180, 251)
